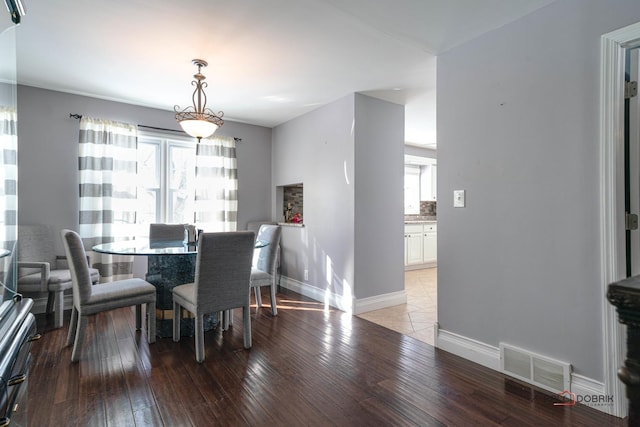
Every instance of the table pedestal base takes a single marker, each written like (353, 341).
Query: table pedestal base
(164, 323)
(165, 273)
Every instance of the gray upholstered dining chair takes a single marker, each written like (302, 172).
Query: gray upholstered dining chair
(166, 232)
(41, 270)
(89, 300)
(223, 270)
(255, 225)
(265, 264)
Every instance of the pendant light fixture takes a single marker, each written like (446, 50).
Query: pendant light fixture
(198, 120)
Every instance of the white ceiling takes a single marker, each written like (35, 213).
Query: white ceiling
(269, 60)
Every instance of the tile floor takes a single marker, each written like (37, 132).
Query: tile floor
(416, 318)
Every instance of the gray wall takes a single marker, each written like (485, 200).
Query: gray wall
(317, 149)
(379, 197)
(518, 130)
(349, 156)
(48, 155)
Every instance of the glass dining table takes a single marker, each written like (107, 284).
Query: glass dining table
(169, 263)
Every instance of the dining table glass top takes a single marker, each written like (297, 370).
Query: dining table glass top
(143, 246)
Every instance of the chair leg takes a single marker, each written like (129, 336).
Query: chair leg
(50, 299)
(138, 317)
(73, 325)
(151, 322)
(199, 326)
(177, 313)
(246, 320)
(256, 289)
(77, 344)
(274, 307)
(58, 303)
(225, 319)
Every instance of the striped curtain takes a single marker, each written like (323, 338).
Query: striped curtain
(107, 160)
(216, 203)
(8, 198)
(8, 177)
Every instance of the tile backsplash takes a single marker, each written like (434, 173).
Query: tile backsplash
(427, 212)
(428, 208)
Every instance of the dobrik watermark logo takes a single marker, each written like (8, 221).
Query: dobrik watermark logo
(567, 398)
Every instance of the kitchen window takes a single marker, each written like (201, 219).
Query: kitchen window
(411, 190)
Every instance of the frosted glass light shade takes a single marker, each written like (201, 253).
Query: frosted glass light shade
(198, 128)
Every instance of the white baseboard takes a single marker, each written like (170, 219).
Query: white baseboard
(583, 385)
(588, 391)
(316, 294)
(379, 301)
(421, 266)
(470, 349)
(340, 302)
(592, 393)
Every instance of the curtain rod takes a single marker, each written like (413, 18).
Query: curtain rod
(79, 116)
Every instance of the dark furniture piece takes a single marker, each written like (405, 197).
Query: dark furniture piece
(625, 296)
(17, 332)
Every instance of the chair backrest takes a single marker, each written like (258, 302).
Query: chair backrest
(77, 258)
(166, 232)
(35, 244)
(223, 270)
(265, 258)
(255, 225)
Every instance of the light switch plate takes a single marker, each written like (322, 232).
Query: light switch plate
(458, 199)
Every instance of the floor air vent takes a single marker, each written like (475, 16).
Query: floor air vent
(550, 374)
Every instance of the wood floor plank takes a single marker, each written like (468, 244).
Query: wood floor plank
(307, 367)
(147, 417)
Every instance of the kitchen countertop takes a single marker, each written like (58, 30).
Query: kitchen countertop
(420, 221)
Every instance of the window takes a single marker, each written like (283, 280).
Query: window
(412, 190)
(420, 184)
(166, 170)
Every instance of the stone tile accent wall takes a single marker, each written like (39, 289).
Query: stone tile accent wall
(293, 200)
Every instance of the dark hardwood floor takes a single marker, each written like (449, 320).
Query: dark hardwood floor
(307, 367)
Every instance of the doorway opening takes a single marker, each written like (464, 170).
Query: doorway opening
(614, 47)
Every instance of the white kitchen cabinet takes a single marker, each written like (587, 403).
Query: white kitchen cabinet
(420, 245)
(430, 244)
(413, 242)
